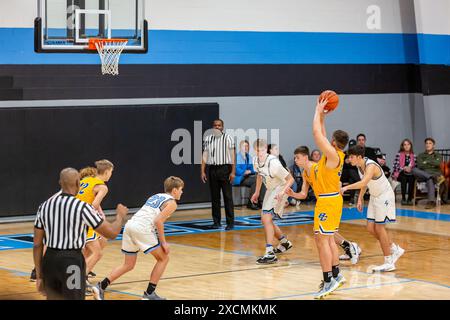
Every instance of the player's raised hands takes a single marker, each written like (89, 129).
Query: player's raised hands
(320, 106)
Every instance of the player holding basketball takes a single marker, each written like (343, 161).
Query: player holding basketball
(93, 190)
(324, 177)
(277, 180)
(145, 231)
(381, 207)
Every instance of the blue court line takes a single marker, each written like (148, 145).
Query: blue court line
(11, 242)
(344, 289)
(124, 292)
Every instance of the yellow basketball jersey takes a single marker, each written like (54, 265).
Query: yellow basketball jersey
(324, 180)
(86, 192)
(310, 179)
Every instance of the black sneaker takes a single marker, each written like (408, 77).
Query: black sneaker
(91, 275)
(214, 226)
(229, 227)
(252, 206)
(283, 247)
(268, 258)
(33, 275)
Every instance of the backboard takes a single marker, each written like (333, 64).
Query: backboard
(67, 25)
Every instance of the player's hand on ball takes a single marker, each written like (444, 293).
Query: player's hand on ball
(165, 247)
(320, 107)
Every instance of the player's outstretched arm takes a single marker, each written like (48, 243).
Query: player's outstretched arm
(167, 211)
(368, 175)
(320, 136)
(303, 194)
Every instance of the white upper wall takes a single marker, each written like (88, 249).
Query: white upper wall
(432, 16)
(395, 16)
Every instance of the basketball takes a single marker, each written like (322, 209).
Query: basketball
(333, 99)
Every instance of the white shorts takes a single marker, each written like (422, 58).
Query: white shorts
(271, 205)
(381, 209)
(134, 240)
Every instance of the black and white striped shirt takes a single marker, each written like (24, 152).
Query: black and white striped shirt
(219, 149)
(64, 219)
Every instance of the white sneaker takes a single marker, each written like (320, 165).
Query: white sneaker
(344, 257)
(340, 280)
(326, 289)
(355, 251)
(396, 252)
(388, 265)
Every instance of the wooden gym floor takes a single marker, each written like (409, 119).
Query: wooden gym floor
(221, 265)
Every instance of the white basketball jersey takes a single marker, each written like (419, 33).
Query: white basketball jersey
(377, 186)
(143, 219)
(272, 171)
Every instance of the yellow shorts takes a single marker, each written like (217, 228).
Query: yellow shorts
(327, 214)
(91, 235)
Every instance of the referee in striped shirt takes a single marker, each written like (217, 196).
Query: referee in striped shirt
(220, 157)
(61, 225)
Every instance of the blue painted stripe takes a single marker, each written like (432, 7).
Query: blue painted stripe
(245, 47)
(434, 49)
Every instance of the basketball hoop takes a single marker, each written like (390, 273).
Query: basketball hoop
(109, 51)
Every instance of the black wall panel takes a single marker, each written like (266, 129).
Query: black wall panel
(36, 143)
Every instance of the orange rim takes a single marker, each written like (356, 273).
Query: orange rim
(93, 41)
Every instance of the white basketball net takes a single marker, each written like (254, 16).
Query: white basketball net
(109, 52)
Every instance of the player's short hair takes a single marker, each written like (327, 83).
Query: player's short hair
(341, 138)
(88, 172)
(103, 165)
(218, 119)
(171, 183)
(361, 135)
(430, 139)
(357, 151)
(260, 143)
(303, 150)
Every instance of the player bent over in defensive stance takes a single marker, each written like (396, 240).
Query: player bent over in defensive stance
(145, 231)
(277, 180)
(381, 207)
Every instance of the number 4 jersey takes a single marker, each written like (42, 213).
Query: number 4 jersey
(143, 219)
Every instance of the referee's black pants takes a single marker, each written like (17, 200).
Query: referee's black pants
(219, 179)
(64, 274)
